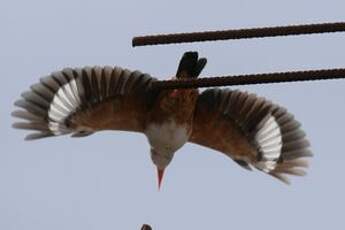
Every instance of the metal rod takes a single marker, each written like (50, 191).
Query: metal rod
(238, 34)
(265, 78)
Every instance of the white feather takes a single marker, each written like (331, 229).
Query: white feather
(58, 110)
(269, 139)
(74, 88)
(64, 98)
(57, 100)
(68, 90)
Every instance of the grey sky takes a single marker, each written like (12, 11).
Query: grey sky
(107, 181)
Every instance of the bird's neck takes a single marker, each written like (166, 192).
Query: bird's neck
(170, 121)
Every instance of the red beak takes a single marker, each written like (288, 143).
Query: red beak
(160, 174)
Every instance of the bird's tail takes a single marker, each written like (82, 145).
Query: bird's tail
(190, 65)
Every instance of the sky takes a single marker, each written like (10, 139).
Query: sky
(107, 181)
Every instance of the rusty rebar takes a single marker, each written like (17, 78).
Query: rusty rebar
(238, 34)
(249, 79)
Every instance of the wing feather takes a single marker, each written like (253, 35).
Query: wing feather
(82, 101)
(252, 131)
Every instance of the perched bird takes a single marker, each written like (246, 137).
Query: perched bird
(251, 130)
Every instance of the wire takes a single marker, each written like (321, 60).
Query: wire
(238, 34)
(265, 78)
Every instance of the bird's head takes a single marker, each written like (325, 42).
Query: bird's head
(161, 159)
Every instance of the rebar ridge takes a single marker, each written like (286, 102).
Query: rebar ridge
(250, 79)
(238, 34)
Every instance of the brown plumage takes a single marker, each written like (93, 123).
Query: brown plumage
(251, 130)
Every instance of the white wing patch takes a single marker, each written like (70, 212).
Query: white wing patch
(270, 143)
(64, 103)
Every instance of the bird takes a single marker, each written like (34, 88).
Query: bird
(251, 130)
(146, 227)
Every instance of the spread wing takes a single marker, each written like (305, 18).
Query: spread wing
(252, 131)
(82, 101)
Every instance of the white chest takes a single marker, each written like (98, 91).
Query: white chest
(167, 137)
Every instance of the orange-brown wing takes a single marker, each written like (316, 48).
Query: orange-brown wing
(82, 101)
(252, 131)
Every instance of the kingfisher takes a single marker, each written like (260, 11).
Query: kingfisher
(251, 130)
